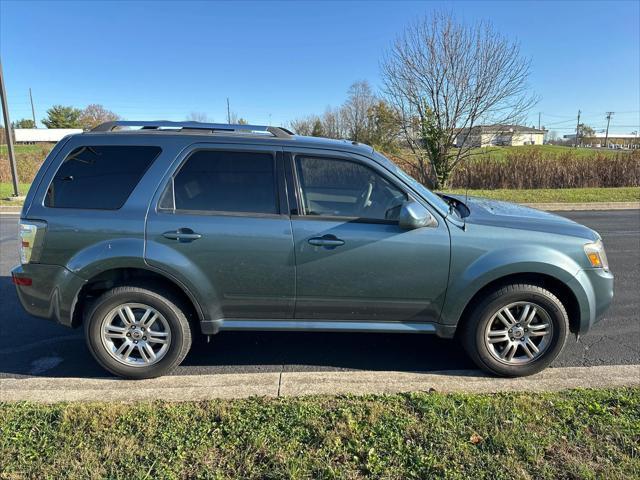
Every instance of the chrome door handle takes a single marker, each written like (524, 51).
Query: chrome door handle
(328, 241)
(183, 235)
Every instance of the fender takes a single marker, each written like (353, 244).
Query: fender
(128, 253)
(497, 264)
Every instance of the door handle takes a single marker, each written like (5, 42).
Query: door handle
(183, 235)
(327, 241)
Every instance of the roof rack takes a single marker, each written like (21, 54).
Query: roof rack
(278, 132)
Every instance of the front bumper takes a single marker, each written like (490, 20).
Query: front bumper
(594, 289)
(52, 294)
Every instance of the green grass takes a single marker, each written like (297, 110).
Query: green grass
(501, 152)
(572, 434)
(23, 149)
(559, 195)
(6, 190)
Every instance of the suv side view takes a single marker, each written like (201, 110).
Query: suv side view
(150, 233)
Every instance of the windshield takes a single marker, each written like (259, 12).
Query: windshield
(434, 199)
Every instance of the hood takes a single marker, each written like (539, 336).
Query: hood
(510, 215)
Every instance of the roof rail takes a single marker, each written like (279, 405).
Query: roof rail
(278, 132)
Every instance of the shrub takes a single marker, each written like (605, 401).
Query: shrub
(534, 169)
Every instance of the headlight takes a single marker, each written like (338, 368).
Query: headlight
(596, 255)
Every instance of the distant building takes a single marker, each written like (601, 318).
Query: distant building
(42, 135)
(614, 140)
(494, 135)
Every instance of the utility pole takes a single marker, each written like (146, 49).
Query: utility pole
(606, 135)
(577, 130)
(539, 115)
(8, 134)
(33, 111)
(228, 112)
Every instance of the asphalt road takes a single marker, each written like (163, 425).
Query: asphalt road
(30, 346)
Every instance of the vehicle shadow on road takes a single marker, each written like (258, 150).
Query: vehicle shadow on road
(35, 347)
(298, 351)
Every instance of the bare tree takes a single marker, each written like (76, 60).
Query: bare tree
(360, 100)
(198, 117)
(235, 119)
(333, 123)
(304, 126)
(94, 114)
(444, 78)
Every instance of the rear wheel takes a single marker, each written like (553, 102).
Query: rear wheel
(137, 333)
(517, 330)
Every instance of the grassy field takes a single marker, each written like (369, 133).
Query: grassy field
(572, 434)
(6, 190)
(559, 195)
(547, 150)
(25, 149)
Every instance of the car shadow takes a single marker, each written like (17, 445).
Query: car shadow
(35, 347)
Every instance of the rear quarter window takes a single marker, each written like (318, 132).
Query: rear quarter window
(99, 177)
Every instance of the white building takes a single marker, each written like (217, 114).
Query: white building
(614, 140)
(493, 135)
(42, 135)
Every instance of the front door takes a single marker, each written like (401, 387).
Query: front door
(218, 227)
(353, 261)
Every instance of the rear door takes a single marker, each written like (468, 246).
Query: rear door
(219, 223)
(353, 261)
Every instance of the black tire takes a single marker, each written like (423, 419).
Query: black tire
(162, 302)
(475, 327)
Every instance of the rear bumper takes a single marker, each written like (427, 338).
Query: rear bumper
(594, 289)
(52, 293)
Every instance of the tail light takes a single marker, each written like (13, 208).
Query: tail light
(31, 237)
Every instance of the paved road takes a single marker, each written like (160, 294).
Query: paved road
(30, 346)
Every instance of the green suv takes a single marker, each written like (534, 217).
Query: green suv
(148, 234)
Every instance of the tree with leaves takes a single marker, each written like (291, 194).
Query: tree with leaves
(444, 78)
(24, 123)
(382, 133)
(60, 116)
(585, 131)
(318, 129)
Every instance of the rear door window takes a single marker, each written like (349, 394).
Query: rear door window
(224, 181)
(99, 177)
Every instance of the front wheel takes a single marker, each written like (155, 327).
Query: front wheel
(137, 333)
(517, 330)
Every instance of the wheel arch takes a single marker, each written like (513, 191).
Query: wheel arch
(556, 286)
(133, 276)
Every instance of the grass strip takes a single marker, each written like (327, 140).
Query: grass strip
(569, 434)
(559, 195)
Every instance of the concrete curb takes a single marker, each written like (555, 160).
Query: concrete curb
(287, 384)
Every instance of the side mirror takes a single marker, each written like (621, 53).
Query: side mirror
(413, 215)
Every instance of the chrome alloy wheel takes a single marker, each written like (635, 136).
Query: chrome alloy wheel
(135, 334)
(519, 333)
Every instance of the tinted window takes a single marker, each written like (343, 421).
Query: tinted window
(99, 177)
(226, 182)
(332, 187)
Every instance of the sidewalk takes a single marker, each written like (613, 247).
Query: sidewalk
(241, 385)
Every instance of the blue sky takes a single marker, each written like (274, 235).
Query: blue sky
(280, 60)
